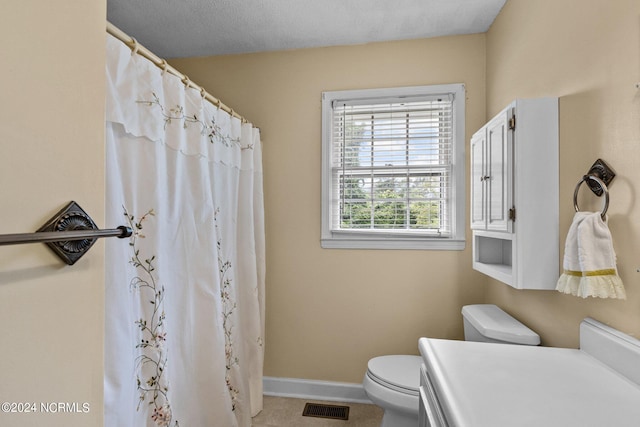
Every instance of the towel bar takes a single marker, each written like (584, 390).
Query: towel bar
(58, 236)
(69, 233)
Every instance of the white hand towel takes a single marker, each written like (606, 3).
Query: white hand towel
(589, 260)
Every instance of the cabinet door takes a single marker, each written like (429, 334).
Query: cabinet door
(498, 174)
(478, 172)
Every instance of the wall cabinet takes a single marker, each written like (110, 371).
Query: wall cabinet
(514, 195)
(491, 185)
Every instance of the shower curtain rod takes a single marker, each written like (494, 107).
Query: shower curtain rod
(162, 63)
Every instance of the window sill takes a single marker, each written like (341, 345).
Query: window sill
(433, 244)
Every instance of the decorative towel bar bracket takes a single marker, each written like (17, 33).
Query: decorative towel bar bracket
(598, 179)
(70, 234)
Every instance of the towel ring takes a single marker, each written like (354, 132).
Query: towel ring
(602, 185)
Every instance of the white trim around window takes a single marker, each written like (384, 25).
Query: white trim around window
(393, 168)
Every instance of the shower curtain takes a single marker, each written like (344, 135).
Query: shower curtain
(184, 321)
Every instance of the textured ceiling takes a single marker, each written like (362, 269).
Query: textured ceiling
(188, 28)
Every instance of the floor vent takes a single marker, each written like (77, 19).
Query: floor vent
(334, 412)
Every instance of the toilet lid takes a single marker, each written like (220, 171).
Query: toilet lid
(398, 370)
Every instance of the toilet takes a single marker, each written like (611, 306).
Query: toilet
(392, 382)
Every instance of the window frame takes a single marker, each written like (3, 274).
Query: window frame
(394, 239)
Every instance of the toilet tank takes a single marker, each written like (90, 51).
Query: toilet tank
(489, 323)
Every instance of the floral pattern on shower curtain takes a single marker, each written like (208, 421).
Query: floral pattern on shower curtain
(184, 321)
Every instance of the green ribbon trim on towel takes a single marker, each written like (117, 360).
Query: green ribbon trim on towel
(605, 272)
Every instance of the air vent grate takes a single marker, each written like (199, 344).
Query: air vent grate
(334, 412)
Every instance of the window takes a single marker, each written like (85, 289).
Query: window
(393, 168)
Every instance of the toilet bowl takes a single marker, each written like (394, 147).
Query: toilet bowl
(392, 382)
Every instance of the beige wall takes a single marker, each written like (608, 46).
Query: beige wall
(51, 139)
(588, 54)
(329, 311)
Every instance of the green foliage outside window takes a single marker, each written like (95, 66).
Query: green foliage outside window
(380, 202)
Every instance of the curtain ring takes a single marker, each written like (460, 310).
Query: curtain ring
(602, 185)
(135, 47)
(164, 65)
(203, 93)
(186, 81)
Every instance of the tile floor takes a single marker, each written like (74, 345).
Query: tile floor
(287, 412)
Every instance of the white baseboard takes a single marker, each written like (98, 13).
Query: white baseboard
(315, 390)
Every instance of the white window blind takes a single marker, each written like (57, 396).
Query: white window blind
(390, 166)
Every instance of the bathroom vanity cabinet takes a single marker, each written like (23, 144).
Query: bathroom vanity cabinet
(596, 385)
(514, 195)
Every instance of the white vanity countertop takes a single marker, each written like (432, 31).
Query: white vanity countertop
(495, 385)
